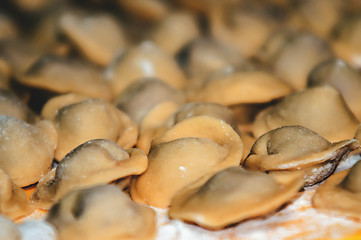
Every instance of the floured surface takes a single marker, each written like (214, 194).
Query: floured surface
(38, 230)
(297, 220)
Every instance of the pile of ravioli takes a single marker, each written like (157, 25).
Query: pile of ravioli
(216, 111)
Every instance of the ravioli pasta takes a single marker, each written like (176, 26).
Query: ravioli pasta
(138, 119)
